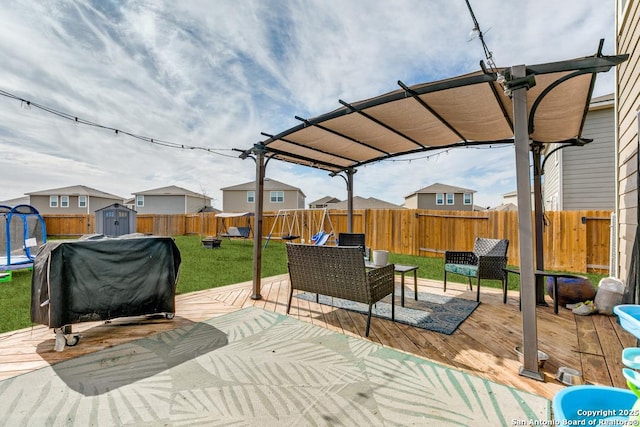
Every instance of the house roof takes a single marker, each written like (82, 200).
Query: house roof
(209, 209)
(604, 101)
(324, 200)
(365, 203)
(171, 190)
(15, 202)
(505, 207)
(269, 184)
(441, 188)
(75, 190)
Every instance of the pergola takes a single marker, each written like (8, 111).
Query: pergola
(528, 106)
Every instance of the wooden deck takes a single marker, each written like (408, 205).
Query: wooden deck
(482, 345)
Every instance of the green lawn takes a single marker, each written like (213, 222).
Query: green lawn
(209, 268)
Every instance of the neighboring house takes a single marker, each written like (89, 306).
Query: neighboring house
(15, 202)
(627, 108)
(505, 207)
(511, 198)
(323, 202)
(365, 203)
(209, 209)
(583, 178)
(441, 197)
(76, 199)
(130, 203)
(277, 195)
(170, 200)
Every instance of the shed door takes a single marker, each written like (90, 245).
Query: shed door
(116, 222)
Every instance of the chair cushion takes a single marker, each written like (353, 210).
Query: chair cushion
(463, 269)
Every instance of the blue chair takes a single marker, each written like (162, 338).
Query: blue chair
(320, 238)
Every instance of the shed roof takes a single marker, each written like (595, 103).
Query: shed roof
(115, 206)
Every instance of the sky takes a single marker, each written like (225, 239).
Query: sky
(215, 74)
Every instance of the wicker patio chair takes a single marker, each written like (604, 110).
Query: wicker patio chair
(487, 261)
(339, 272)
(354, 239)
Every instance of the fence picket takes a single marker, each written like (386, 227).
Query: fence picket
(575, 241)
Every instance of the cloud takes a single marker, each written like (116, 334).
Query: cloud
(216, 75)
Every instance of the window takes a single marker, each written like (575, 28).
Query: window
(251, 196)
(439, 198)
(64, 201)
(450, 199)
(277, 197)
(82, 201)
(53, 201)
(467, 198)
(140, 200)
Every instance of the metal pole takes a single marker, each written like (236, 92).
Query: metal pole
(257, 231)
(536, 150)
(525, 232)
(350, 173)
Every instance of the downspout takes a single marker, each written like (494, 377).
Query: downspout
(536, 151)
(616, 157)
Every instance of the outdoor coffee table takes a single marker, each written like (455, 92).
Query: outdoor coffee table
(402, 269)
(541, 273)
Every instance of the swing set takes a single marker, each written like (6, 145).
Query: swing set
(311, 226)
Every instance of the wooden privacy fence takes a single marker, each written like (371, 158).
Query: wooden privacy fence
(576, 241)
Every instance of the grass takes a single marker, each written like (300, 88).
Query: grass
(210, 268)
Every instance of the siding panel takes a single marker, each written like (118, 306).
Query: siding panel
(628, 84)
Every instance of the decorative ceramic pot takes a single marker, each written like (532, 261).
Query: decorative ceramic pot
(572, 290)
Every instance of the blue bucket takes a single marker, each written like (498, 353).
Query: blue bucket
(591, 403)
(629, 317)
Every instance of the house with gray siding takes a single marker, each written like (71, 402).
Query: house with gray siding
(276, 195)
(441, 197)
(627, 182)
(170, 200)
(75, 199)
(323, 202)
(583, 178)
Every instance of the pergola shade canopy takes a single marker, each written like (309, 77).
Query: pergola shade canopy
(473, 109)
(528, 106)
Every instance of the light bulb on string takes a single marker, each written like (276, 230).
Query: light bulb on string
(474, 33)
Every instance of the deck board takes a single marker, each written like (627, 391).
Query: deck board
(483, 344)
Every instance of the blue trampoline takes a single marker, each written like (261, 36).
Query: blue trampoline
(22, 232)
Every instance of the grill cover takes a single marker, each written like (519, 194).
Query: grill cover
(103, 278)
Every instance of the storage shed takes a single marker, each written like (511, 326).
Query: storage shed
(116, 220)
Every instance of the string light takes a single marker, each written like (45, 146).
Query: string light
(476, 32)
(446, 152)
(61, 114)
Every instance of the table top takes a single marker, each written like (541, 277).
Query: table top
(545, 273)
(398, 268)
